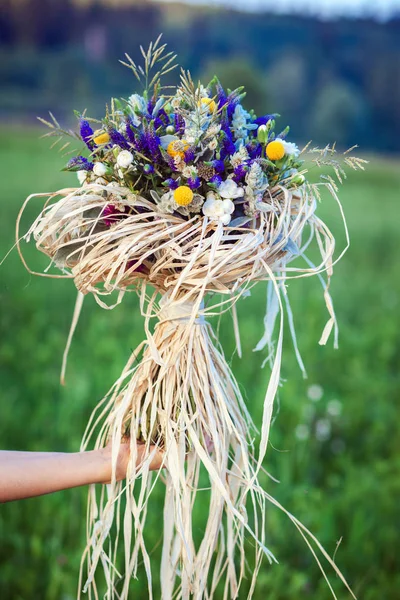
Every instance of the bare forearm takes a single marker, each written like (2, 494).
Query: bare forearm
(27, 474)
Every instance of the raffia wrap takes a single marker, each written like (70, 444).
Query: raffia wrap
(182, 396)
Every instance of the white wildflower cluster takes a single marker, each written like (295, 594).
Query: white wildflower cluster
(219, 205)
(189, 171)
(210, 136)
(195, 125)
(82, 176)
(291, 149)
(212, 131)
(178, 99)
(239, 157)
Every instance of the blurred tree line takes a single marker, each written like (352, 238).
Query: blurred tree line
(330, 80)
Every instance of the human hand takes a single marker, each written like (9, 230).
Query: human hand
(123, 459)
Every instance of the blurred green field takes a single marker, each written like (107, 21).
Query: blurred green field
(334, 445)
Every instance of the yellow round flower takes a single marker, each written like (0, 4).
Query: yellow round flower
(275, 150)
(177, 148)
(212, 105)
(183, 195)
(101, 138)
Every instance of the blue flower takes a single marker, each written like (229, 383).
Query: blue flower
(194, 183)
(80, 163)
(140, 143)
(86, 133)
(239, 173)
(254, 149)
(218, 165)
(228, 147)
(179, 123)
(172, 184)
(153, 143)
(118, 139)
(130, 134)
(148, 169)
(216, 180)
(189, 154)
(264, 120)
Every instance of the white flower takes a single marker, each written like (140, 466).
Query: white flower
(81, 175)
(218, 210)
(167, 202)
(212, 131)
(99, 169)
(124, 159)
(189, 171)
(101, 181)
(176, 102)
(201, 91)
(239, 157)
(290, 148)
(213, 144)
(230, 189)
(138, 105)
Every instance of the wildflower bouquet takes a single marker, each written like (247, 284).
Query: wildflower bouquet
(188, 199)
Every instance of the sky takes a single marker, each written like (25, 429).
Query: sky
(380, 9)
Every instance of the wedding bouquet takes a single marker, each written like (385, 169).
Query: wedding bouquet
(188, 199)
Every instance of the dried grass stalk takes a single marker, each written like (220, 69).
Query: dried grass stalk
(182, 396)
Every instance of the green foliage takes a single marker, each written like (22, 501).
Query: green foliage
(342, 483)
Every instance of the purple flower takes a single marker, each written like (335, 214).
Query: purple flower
(86, 133)
(221, 96)
(162, 115)
(194, 183)
(239, 173)
(189, 154)
(264, 120)
(111, 214)
(232, 101)
(150, 107)
(254, 149)
(129, 128)
(140, 143)
(218, 165)
(179, 123)
(80, 163)
(172, 184)
(148, 169)
(153, 144)
(169, 160)
(118, 139)
(158, 123)
(216, 180)
(228, 147)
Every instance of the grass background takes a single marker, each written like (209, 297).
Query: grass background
(339, 473)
